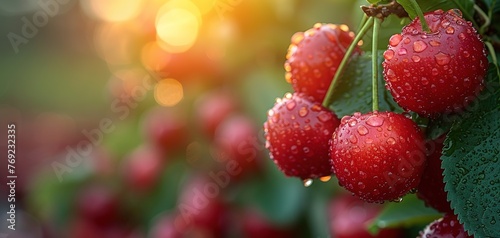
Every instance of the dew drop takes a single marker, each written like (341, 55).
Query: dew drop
(415, 58)
(442, 58)
(288, 77)
(352, 122)
(291, 105)
(395, 39)
(317, 73)
(309, 33)
(288, 95)
(270, 113)
(461, 36)
(402, 51)
(391, 141)
(388, 54)
(362, 130)
(434, 43)
(307, 182)
(391, 75)
(434, 71)
(397, 200)
(407, 40)
(424, 81)
(325, 178)
(467, 82)
(324, 116)
(419, 46)
(297, 38)
(276, 118)
(450, 30)
(303, 112)
(445, 24)
(353, 139)
(361, 185)
(328, 62)
(466, 54)
(375, 121)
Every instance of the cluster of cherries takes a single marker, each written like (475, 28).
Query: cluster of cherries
(378, 156)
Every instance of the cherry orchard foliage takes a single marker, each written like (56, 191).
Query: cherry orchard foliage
(297, 133)
(425, 70)
(472, 163)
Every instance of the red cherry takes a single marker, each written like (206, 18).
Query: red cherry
(431, 187)
(98, 204)
(236, 139)
(166, 129)
(256, 226)
(437, 72)
(297, 133)
(143, 167)
(378, 156)
(350, 216)
(165, 227)
(445, 227)
(201, 213)
(212, 109)
(313, 58)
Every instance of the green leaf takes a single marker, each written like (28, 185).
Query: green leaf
(471, 165)
(281, 199)
(466, 6)
(411, 211)
(373, 1)
(354, 92)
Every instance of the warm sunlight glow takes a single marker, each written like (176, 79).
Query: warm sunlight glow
(112, 10)
(204, 5)
(154, 57)
(177, 25)
(168, 92)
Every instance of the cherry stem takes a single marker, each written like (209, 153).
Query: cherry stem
(493, 55)
(329, 95)
(376, 27)
(485, 17)
(420, 15)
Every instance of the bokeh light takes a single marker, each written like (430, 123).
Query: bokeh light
(168, 92)
(177, 25)
(112, 10)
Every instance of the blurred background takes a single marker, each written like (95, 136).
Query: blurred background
(143, 118)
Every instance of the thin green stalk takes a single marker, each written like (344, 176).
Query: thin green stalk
(420, 15)
(376, 27)
(466, 14)
(362, 22)
(329, 95)
(493, 55)
(485, 17)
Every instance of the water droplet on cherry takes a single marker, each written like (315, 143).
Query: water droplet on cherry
(362, 130)
(442, 58)
(395, 39)
(419, 46)
(307, 182)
